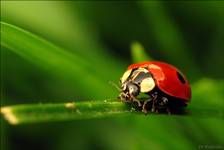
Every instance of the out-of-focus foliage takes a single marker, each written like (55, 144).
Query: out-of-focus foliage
(138, 53)
(186, 34)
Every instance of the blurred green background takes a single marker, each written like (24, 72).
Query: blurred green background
(188, 35)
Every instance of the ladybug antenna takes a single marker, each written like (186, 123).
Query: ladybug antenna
(114, 85)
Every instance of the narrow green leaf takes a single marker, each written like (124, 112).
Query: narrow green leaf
(206, 103)
(31, 113)
(138, 53)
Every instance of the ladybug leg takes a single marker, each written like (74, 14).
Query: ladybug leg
(168, 110)
(144, 105)
(153, 106)
(136, 100)
(123, 97)
(163, 104)
(154, 100)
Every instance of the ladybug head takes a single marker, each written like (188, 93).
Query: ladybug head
(134, 82)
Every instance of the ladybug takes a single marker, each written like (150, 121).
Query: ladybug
(155, 86)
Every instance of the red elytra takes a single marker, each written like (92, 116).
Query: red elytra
(168, 79)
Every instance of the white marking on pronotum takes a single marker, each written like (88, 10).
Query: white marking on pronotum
(8, 114)
(147, 84)
(125, 76)
(70, 105)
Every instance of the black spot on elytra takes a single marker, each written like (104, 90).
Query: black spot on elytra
(181, 78)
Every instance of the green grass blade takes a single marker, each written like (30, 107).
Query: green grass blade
(50, 112)
(138, 53)
(55, 60)
(31, 113)
(206, 103)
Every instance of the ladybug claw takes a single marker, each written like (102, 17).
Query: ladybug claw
(145, 111)
(168, 111)
(152, 110)
(136, 100)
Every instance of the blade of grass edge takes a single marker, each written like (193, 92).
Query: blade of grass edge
(31, 113)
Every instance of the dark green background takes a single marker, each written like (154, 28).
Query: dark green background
(188, 35)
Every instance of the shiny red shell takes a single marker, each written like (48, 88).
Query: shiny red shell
(168, 79)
